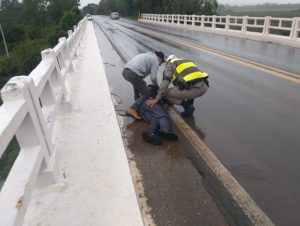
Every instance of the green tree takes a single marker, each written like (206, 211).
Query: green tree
(70, 18)
(29, 27)
(90, 9)
(33, 17)
(133, 7)
(210, 7)
(56, 8)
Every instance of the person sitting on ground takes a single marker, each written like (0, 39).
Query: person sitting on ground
(158, 120)
(189, 82)
(135, 71)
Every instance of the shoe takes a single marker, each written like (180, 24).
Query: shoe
(133, 113)
(166, 135)
(151, 138)
(188, 111)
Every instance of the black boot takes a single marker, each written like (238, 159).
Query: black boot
(188, 107)
(167, 135)
(151, 138)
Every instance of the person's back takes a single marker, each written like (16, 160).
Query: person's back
(135, 71)
(144, 64)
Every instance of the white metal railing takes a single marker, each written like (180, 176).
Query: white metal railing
(29, 109)
(281, 30)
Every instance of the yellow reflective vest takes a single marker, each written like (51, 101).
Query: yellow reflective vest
(186, 73)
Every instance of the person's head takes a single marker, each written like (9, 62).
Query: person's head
(170, 57)
(160, 56)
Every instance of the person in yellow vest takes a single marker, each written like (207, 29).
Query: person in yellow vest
(189, 82)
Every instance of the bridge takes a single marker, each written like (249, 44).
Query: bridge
(78, 165)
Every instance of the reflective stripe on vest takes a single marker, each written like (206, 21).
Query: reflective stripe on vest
(186, 71)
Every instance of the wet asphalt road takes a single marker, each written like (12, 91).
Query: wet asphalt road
(249, 119)
(175, 192)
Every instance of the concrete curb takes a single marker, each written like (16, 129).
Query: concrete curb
(237, 205)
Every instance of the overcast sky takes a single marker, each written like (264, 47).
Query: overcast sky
(230, 2)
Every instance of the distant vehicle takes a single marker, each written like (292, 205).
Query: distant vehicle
(115, 16)
(89, 17)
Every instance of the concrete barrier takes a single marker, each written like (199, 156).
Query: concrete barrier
(29, 110)
(266, 29)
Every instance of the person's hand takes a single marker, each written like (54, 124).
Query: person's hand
(151, 102)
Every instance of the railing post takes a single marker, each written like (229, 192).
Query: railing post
(14, 90)
(266, 29)
(193, 20)
(294, 28)
(202, 21)
(227, 22)
(297, 29)
(213, 24)
(66, 55)
(18, 187)
(76, 35)
(245, 23)
(49, 55)
(71, 45)
(39, 114)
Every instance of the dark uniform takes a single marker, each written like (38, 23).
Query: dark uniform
(158, 120)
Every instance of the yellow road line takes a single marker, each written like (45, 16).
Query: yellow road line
(252, 64)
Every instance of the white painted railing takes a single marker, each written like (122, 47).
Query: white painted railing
(279, 30)
(29, 110)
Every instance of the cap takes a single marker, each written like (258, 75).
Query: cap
(161, 55)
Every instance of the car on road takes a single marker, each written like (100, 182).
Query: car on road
(89, 17)
(115, 15)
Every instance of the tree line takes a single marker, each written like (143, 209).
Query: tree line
(262, 10)
(263, 7)
(29, 26)
(132, 8)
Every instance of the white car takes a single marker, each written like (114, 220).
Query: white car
(89, 17)
(115, 16)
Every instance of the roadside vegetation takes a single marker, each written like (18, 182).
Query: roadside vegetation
(281, 14)
(131, 9)
(261, 10)
(29, 26)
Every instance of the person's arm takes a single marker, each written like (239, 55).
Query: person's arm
(162, 89)
(153, 73)
(168, 73)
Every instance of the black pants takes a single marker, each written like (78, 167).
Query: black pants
(156, 117)
(140, 88)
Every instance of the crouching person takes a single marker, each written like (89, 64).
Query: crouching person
(189, 83)
(159, 122)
